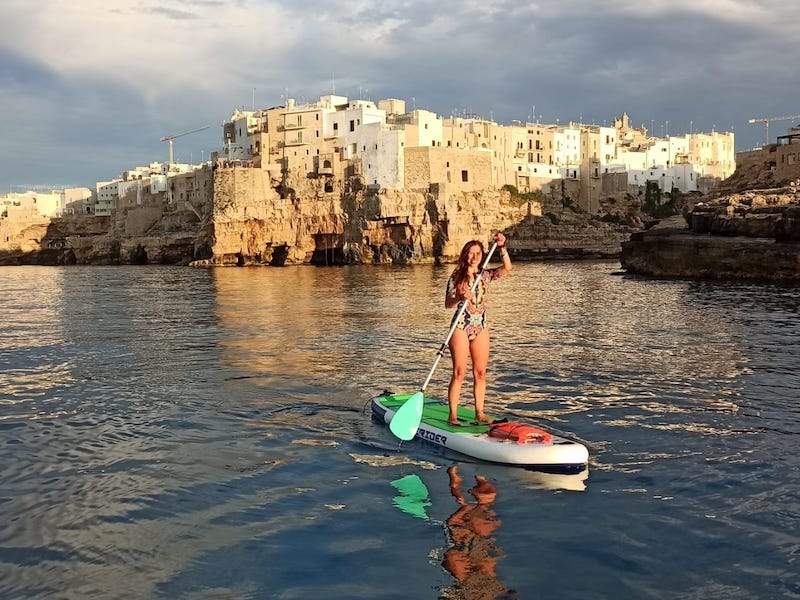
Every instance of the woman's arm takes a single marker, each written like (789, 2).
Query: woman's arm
(506, 268)
(456, 294)
(454, 298)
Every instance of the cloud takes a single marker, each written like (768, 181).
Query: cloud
(96, 84)
(172, 13)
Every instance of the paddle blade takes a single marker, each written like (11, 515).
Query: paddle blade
(413, 496)
(405, 421)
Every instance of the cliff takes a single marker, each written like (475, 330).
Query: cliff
(257, 222)
(751, 235)
(233, 215)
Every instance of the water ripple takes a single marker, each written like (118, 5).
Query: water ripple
(201, 434)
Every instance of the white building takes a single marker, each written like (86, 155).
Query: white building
(380, 148)
(47, 204)
(567, 147)
(682, 177)
(423, 128)
(77, 201)
(238, 132)
(344, 121)
(107, 196)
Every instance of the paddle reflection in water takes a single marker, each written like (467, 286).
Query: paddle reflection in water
(472, 556)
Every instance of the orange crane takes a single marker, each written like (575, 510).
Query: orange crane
(169, 138)
(767, 120)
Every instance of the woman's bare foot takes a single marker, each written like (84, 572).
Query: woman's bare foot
(482, 419)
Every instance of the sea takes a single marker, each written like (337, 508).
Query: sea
(171, 432)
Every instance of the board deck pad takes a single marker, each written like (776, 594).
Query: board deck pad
(435, 414)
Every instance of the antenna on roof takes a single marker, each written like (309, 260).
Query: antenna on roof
(333, 83)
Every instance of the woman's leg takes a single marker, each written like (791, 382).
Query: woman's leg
(479, 349)
(459, 350)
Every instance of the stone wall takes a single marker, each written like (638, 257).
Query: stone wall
(426, 165)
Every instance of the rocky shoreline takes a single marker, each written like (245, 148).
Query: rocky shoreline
(752, 235)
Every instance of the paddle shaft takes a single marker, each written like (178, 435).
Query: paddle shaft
(461, 310)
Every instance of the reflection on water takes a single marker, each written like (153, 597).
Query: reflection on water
(473, 553)
(185, 433)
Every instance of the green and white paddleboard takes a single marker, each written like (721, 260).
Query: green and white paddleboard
(474, 440)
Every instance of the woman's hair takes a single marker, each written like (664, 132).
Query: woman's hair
(461, 271)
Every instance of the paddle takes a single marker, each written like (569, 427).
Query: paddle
(406, 420)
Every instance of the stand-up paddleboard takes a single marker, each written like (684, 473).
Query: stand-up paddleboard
(552, 453)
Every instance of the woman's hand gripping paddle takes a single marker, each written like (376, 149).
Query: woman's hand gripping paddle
(406, 420)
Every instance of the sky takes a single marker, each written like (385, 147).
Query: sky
(87, 88)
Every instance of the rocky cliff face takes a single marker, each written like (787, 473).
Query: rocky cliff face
(244, 215)
(752, 235)
(257, 222)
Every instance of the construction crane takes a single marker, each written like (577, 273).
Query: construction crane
(170, 138)
(766, 121)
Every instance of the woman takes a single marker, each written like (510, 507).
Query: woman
(471, 336)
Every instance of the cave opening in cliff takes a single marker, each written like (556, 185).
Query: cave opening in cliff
(328, 249)
(279, 256)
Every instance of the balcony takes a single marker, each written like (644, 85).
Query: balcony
(291, 127)
(295, 142)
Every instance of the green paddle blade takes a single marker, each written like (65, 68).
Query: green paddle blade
(413, 496)
(405, 421)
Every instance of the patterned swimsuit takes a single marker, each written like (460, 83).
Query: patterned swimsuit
(473, 321)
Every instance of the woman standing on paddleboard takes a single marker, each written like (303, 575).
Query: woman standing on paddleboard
(471, 336)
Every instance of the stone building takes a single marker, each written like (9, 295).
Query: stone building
(455, 170)
(787, 155)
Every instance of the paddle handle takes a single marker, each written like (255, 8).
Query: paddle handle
(461, 310)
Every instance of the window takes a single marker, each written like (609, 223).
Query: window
(317, 115)
(449, 143)
(426, 125)
(376, 146)
(464, 176)
(336, 127)
(326, 164)
(433, 143)
(352, 125)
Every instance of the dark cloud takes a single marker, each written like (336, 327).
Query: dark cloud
(682, 63)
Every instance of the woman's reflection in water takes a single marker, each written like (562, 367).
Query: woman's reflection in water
(472, 557)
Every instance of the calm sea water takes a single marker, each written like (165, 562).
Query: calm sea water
(179, 433)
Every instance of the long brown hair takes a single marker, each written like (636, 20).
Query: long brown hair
(461, 272)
